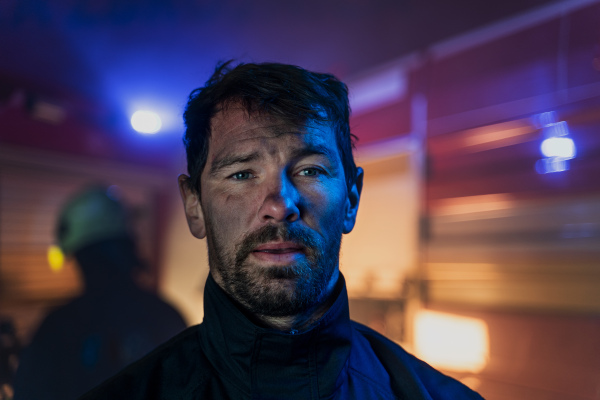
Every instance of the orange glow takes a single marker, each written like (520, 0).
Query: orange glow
(473, 204)
(483, 140)
(451, 342)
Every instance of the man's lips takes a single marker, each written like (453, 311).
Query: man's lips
(279, 253)
(279, 248)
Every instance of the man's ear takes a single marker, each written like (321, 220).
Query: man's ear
(352, 201)
(192, 207)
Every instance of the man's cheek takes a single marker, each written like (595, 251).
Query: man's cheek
(235, 224)
(330, 208)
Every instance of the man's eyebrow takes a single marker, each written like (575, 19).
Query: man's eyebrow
(315, 149)
(232, 159)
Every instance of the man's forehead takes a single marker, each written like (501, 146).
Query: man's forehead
(231, 118)
(234, 124)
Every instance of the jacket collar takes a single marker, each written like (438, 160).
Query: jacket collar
(270, 363)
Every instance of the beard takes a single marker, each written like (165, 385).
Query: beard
(277, 291)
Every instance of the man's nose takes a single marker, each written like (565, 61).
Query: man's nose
(280, 202)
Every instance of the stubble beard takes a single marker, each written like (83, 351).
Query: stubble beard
(276, 291)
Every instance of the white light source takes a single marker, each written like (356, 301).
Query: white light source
(562, 147)
(557, 147)
(146, 121)
(451, 342)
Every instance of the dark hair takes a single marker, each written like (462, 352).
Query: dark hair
(284, 91)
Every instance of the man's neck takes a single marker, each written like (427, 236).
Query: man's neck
(300, 322)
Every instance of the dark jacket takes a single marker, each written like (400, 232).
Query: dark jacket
(229, 357)
(90, 339)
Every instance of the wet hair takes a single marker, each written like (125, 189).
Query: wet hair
(283, 91)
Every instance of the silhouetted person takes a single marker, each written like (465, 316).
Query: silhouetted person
(111, 325)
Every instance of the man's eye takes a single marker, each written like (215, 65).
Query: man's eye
(310, 172)
(240, 176)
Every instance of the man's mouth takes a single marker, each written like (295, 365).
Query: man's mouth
(279, 248)
(278, 252)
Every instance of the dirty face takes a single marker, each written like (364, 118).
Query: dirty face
(273, 205)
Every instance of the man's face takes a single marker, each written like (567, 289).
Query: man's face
(273, 205)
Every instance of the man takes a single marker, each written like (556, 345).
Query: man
(272, 186)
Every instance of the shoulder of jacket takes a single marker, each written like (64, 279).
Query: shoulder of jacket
(165, 371)
(407, 368)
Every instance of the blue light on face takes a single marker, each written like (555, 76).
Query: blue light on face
(146, 121)
(562, 147)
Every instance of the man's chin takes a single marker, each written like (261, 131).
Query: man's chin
(277, 291)
(284, 272)
(279, 302)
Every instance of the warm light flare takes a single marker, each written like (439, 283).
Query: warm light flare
(451, 342)
(56, 258)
